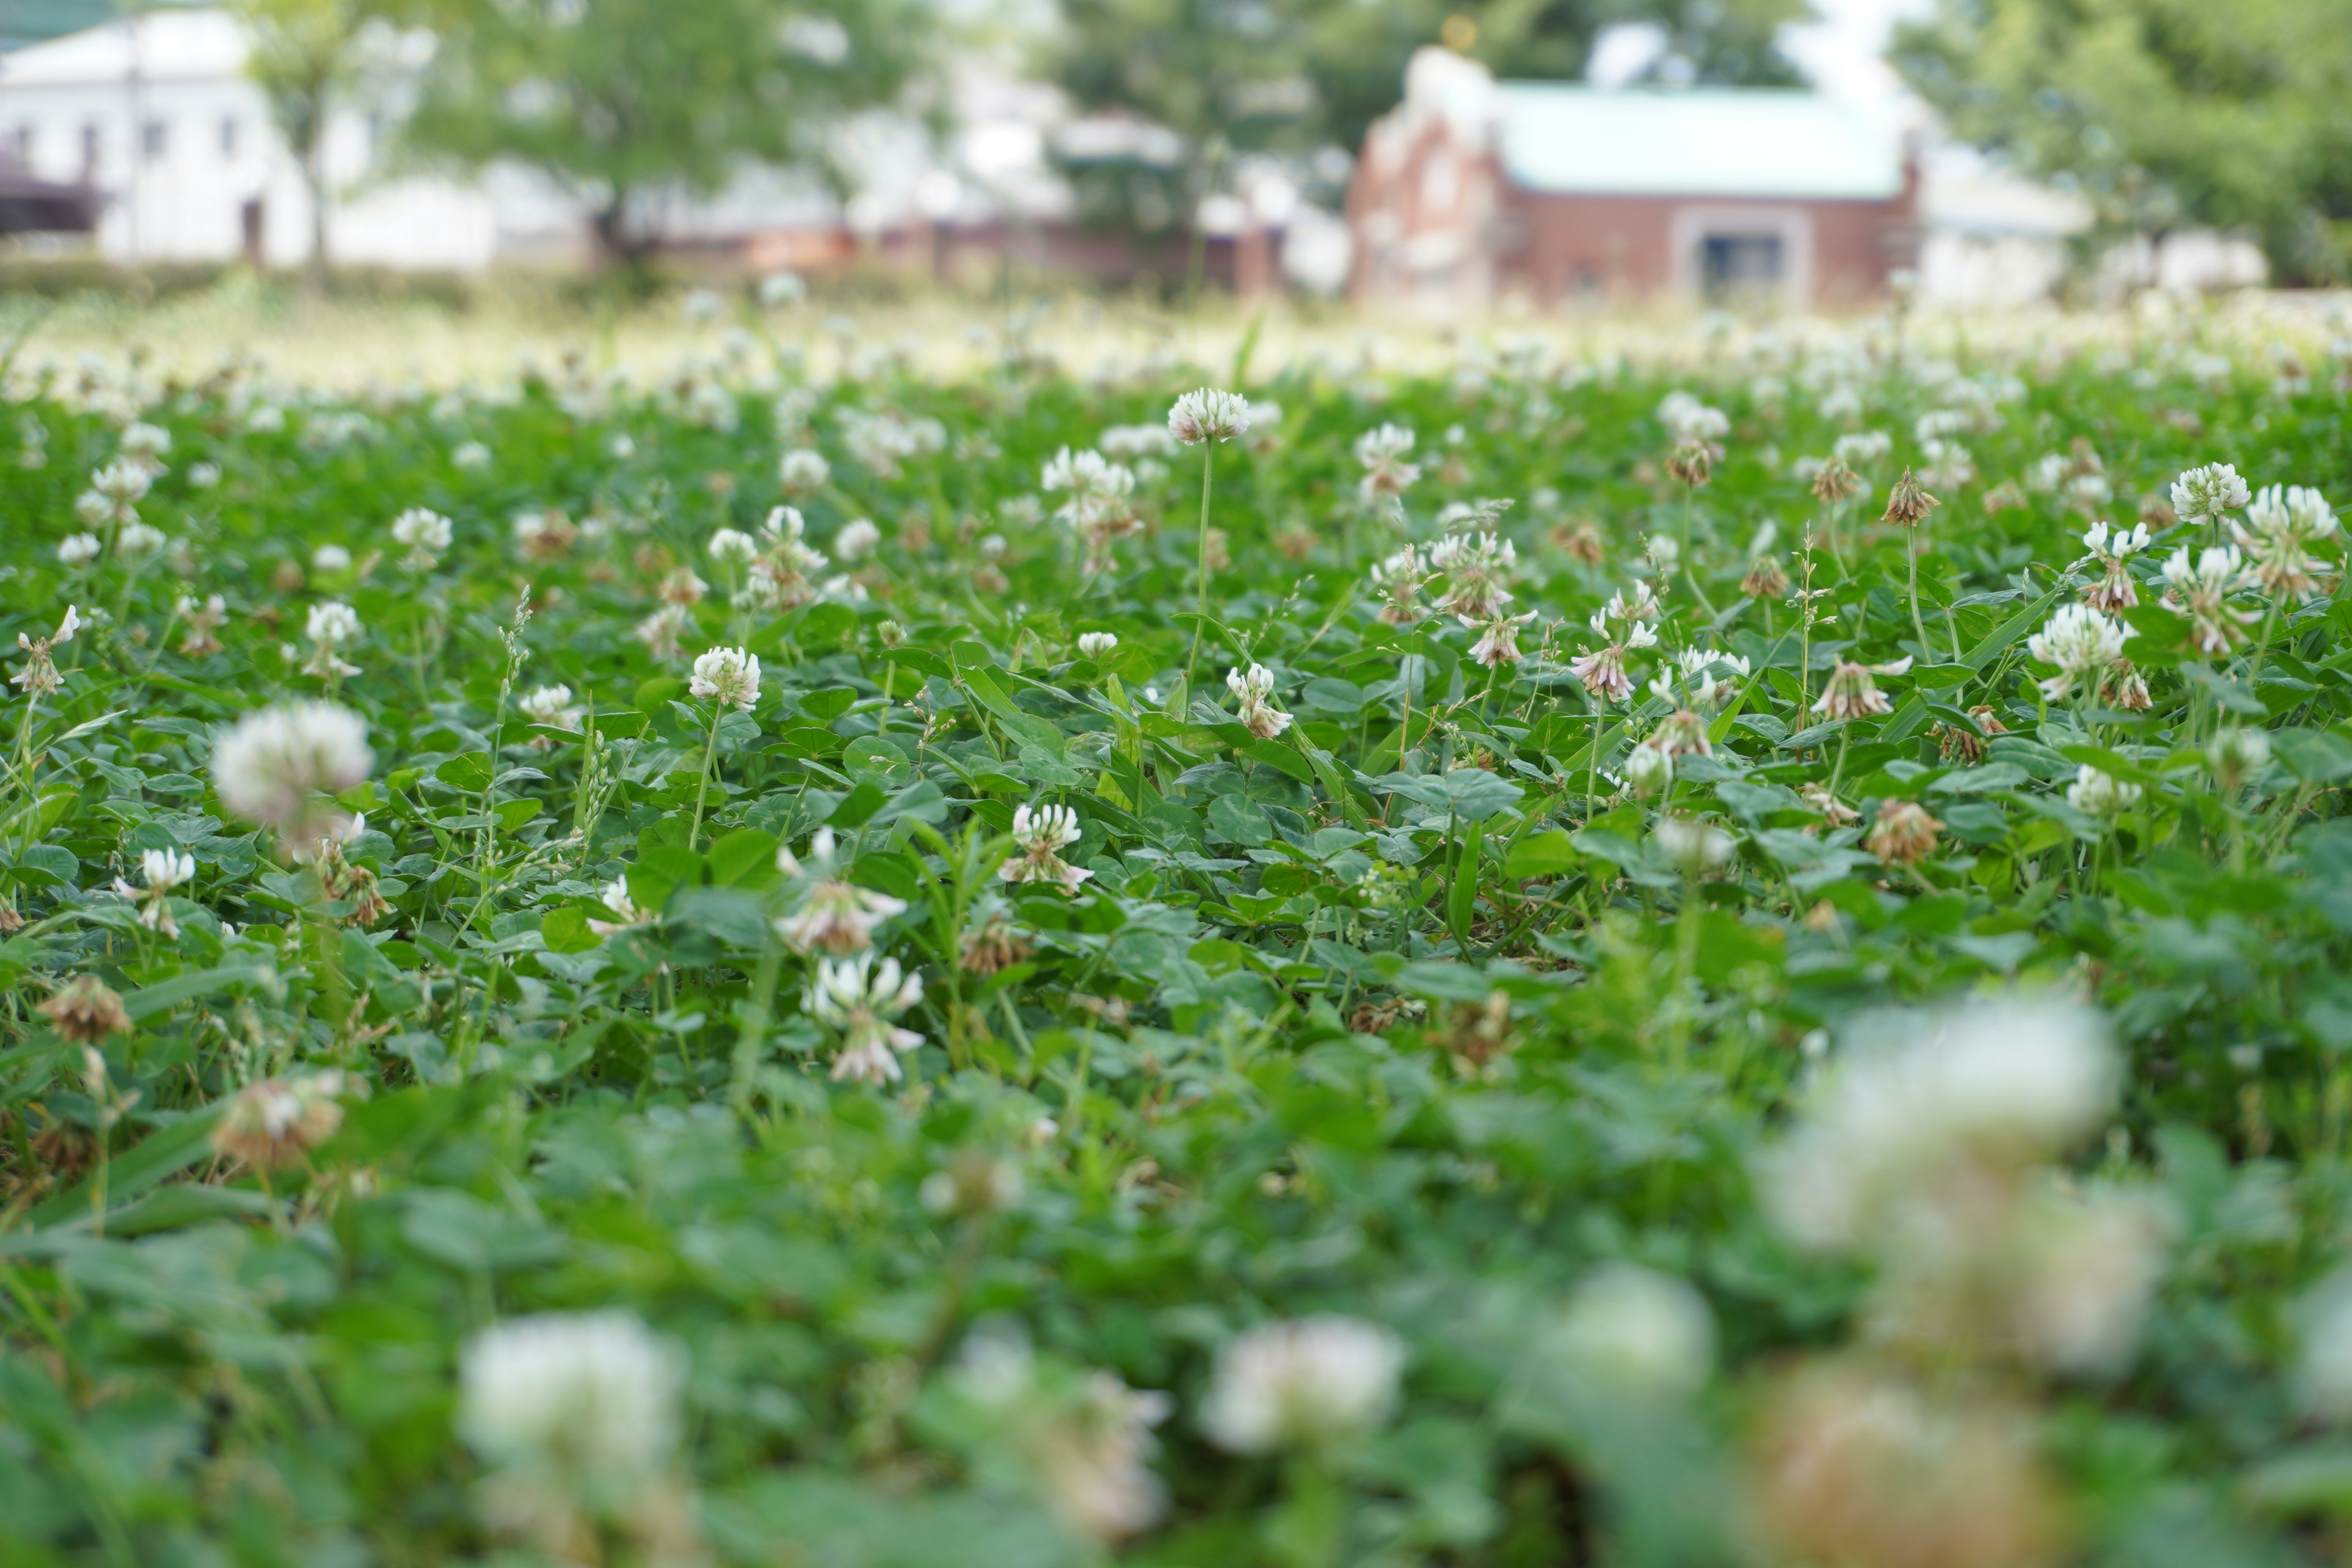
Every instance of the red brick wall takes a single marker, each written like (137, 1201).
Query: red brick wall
(1563, 249)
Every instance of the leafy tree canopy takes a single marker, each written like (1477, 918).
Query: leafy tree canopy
(1289, 75)
(2162, 112)
(624, 100)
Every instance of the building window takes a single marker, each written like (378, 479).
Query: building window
(228, 137)
(1739, 264)
(154, 139)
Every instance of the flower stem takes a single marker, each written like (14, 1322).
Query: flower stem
(702, 780)
(1911, 557)
(1208, 467)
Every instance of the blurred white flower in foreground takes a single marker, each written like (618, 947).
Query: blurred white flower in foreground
(1307, 1384)
(277, 767)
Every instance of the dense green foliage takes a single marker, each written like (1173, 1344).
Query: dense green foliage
(630, 103)
(2162, 113)
(1412, 1009)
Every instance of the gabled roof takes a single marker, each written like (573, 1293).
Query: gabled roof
(168, 43)
(1694, 142)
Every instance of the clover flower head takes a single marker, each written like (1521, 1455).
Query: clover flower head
(861, 999)
(277, 766)
(2209, 494)
(1252, 694)
(733, 546)
(1209, 415)
(729, 676)
(2100, 795)
(1304, 1384)
(2082, 642)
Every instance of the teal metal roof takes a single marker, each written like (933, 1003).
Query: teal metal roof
(1695, 141)
(30, 21)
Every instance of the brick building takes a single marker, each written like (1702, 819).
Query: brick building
(1472, 189)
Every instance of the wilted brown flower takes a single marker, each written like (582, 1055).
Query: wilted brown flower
(278, 1121)
(1765, 579)
(1908, 504)
(1834, 812)
(2006, 495)
(1904, 833)
(996, 945)
(85, 1009)
(1850, 693)
(1836, 482)
(1581, 541)
(1691, 463)
(2122, 685)
(1856, 1467)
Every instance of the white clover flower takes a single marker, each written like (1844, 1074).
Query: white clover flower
(1648, 770)
(166, 869)
(145, 443)
(2207, 494)
(2324, 1373)
(424, 533)
(277, 766)
(1688, 419)
(729, 676)
(733, 546)
(615, 897)
(802, 470)
(1252, 692)
(1041, 834)
(1636, 1332)
(2100, 795)
(2199, 592)
(780, 289)
(584, 1402)
(1382, 452)
(205, 477)
(861, 999)
(2282, 523)
(1693, 844)
(1141, 440)
(2084, 645)
(2236, 755)
(1499, 638)
(551, 706)
(1208, 415)
(1477, 566)
(470, 456)
(662, 632)
(2002, 1083)
(1311, 1383)
(122, 483)
(331, 559)
(136, 538)
(2086, 1266)
(332, 621)
(856, 540)
(1095, 645)
(833, 915)
(78, 549)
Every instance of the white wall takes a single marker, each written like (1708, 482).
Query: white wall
(183, 140)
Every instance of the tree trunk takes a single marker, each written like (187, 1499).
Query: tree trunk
(615, 246)
(314, 175)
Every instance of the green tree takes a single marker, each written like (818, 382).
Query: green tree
(305, 56)
(626, 102)
(2162, 112)
(1289, 75)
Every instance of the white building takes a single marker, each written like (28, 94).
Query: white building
(155, 111)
